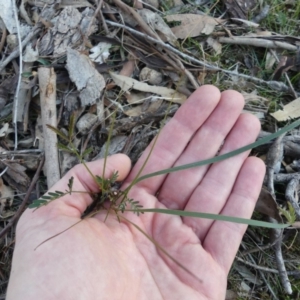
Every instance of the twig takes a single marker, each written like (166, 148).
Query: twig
(22, 206)
(257, 42)
(291, 195)
(257, 267)
(276, 85)
(265, 269)
(102, 19)
(283, 276)
(93, 17)
(3, 38)
(137, 18)
(15, 53)
(20, 152)
(273, 161)
(20, 75)
(188, 74)
(47, 83)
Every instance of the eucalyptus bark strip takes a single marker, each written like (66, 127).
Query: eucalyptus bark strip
(47, 83)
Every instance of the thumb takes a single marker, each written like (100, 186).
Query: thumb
(75, 204)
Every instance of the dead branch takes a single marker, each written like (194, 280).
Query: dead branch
(47, 83)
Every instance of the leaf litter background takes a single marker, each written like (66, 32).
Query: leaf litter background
(93, 58)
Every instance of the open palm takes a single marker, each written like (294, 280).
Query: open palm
(112, 260)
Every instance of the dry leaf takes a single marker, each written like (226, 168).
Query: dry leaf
(15, 176)
(215, 45)
(116, 144)
(267, 205)
(289, 111)
(88, 81)
(193, 25)
(6, 199)
(156, 23)
(127, 83)
(75, 3)
(4, 130)
(270, 61)
(286, 63)
(138, 110)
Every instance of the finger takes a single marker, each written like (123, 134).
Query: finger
(175, 136)
(224, 238)
(76, 203)
(179, 186)
(212, 193)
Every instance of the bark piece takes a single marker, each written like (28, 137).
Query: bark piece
(89, 82)
(47, 82)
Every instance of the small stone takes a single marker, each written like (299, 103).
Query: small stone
(86, 122)
(151, 76)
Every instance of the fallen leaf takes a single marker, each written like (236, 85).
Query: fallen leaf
(248, 275)
(127, 83)
(289, 111)
(15, 176)
(75, 3)
(267, 205)
(286, 63)
(270, 61)
(138, 110)
(215, 45)
(116, 144)
(6, 199)
(193, 25)
(4, 130)
(156, 23)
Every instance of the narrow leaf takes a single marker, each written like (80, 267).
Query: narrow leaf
(224, 156)
(184, 213)
(58, 132)
(71, 127)
(87, 151)
(70, 184)
(37, 203)
(64, 148)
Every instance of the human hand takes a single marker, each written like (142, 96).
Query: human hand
(112, 260)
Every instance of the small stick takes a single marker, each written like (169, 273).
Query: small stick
(3, 38)
(47, 82)
(283, 276)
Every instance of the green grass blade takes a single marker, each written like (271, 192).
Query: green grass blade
(224, 156)
(107, 149)
(193, 214)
